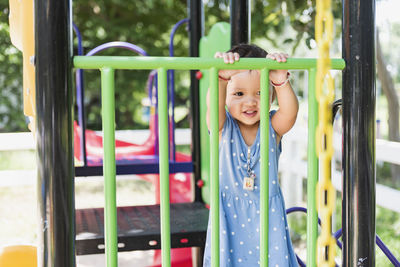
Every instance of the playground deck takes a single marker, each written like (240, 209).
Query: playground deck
(139, 227)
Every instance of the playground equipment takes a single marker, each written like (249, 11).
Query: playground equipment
(130, 152)
(22, 37)
(325, 95)
(54, 121)
(212, 64)
(18, 256)
(89, 152)
(338, 234)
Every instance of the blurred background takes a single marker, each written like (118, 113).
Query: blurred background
(286, 25)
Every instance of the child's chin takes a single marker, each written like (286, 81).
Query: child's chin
(252, 122)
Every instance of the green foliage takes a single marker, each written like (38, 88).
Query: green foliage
(289, 21)
(18, 160)
(390, 38)
(11, 107)
(147, 24)
(388, 229)
(384, 175)
(144, 23)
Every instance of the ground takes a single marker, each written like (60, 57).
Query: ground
(18, 209)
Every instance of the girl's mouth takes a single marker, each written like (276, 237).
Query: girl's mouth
(250, 113)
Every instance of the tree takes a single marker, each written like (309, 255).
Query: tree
(11, 107)
(389, 91)
(147, 24)
(144, 23)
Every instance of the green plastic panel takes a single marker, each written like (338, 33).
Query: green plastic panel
(218, 40)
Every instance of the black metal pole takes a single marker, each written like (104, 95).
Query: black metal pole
(54, 133)
(240, 22)
(358, 199)
(195, 8)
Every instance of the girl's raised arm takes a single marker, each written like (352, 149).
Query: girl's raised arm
(224, 77)
(285, 117)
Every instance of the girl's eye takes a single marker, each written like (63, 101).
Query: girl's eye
(258, 93)
(238, 94)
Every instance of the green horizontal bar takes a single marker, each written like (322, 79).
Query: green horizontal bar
(195, 63)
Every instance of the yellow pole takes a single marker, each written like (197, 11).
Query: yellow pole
(22, 37)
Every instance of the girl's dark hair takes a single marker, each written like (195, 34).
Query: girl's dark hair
(248, 50)
(251, 50)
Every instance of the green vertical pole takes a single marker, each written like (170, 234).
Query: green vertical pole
(264, 169)
(214, 166)
(110, 207)
(312, 165)
(164, 167)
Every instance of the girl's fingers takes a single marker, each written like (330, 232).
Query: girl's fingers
(218, 55)
(271, 56)
(237, 56)
(282, 58)
(230, 57)
(279, 57)
(227, 57)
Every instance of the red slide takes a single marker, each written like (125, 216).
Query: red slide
(181, 184)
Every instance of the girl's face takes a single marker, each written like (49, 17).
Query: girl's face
(243, 97)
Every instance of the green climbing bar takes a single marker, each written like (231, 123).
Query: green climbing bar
(214, 166)
(264, 169)
(164, 167)
(312, 171)
(108, 64)
(110, 207)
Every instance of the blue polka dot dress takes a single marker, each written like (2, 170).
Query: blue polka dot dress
(240, 208)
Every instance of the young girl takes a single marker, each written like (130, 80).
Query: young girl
(239, 163)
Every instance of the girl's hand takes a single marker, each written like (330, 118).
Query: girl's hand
(278, 76)
(229, 58)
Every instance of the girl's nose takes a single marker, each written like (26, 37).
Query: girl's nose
(251, 101)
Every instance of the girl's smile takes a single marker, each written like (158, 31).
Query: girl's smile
(251, 113)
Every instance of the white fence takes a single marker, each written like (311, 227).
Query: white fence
(293, 168)
(292, 164)
(25, 140)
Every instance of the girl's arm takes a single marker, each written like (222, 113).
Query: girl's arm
(225, 76)
(221, 105)
(285, 117)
